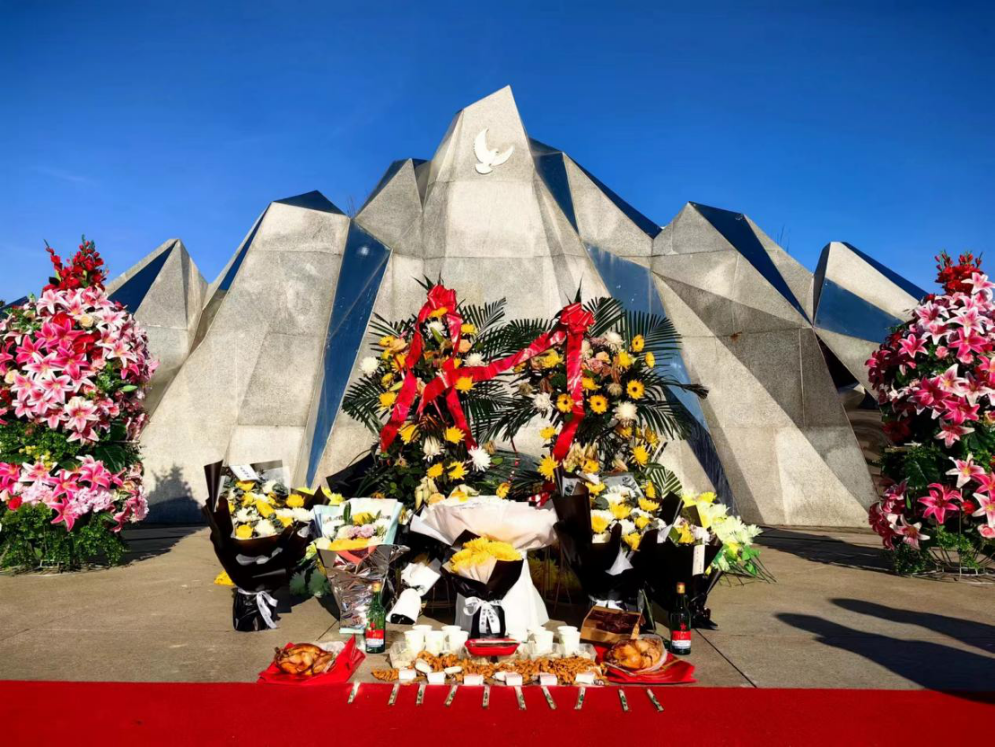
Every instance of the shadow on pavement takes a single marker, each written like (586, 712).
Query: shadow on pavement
(930, 665)
(977, 634)
(822, 549)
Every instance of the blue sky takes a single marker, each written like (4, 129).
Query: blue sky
(867, 122)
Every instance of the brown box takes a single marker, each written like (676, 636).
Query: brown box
(604, 625)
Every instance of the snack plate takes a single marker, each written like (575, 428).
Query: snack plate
(647, 670)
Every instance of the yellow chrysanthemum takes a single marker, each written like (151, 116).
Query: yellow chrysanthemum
(336, 499)
(625, 431)
(548, 432)
(459, 495)
(599, 523)
(708, 497)
(640, 455)
(647, 505)
(547, 467)
(408, 433)
(685, 536)
(642, 522)
(245, 485)
(435, 471)
(295, 501)
(650, 490)
(264, 509)
(596, 488)
(550, 359)
(623, 359)
(590, 466)
(285, 519)
(599, 404)
(620, 510)
(632, 540)
(386, 341)
(650, 360)
(349, 544)
(464, 384)
(638, 343)
(399, 361)
(651, 438)
(453, 435)
(243, 532)
(223, 579)
(468, 329)
(387, 400)
(387, 380)
(564, 403)
(590, 384)
(636, 389)
(439, 312)
(503, 489)
(364, 517)
(457, 471)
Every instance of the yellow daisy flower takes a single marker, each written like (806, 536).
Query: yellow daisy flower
(547, 433)
(599, 404)
(409, 433)
(636, 389)
(590, 384)
(387, 400)
(453, 435)
(623, 359)
(564, 403)
(464, 384)
(599, 524)
(640, 455)
(435, 471)
(647, 505)
(547, 467)
(457, 471)
(468, 329)
(620, 510)
(503, 489)
(650, 360)
(638, 343)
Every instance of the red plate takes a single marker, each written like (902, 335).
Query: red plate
(492, 646)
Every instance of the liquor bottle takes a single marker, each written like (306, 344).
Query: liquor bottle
(376, 624)
(680, 625)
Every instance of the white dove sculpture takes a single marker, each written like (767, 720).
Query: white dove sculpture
(487, 158)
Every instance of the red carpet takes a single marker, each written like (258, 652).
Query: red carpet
(113, 713)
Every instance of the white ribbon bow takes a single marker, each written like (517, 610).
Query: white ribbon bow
(265, 603)
(490, 623)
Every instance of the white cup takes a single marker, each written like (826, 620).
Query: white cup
(435, 641)
(566, 629)
(457, 640)
(424, 628)
(414, 641)
(542, 642)
(570, 639)
(518, 634)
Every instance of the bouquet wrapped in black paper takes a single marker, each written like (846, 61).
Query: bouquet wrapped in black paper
(260, 530)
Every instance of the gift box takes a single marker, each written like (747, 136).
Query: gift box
(606, 625)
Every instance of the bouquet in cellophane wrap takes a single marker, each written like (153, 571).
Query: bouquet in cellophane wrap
(488, 538)
(260, 531)
(354, 549)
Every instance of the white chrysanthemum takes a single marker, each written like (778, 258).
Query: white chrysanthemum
(369, 365)
(268, 487)
(436, 326)
(265, 528)
(614, 339)
(302, 515)
(628, 527)
(480, 458)
(625, 412)
(601, 538)
(701, 534)
(245, 515)
(431, 448)
(475, 360)
(615, 389)
(542, 402)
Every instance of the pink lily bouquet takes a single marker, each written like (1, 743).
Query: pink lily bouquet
(935, 382)
(74, 367)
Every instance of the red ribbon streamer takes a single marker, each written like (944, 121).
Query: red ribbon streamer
(573, 321)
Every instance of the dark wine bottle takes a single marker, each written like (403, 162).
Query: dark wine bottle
(680, 624)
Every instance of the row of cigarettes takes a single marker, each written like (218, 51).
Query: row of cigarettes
(512, 679)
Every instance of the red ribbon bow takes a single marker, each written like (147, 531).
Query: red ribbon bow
(573, 321)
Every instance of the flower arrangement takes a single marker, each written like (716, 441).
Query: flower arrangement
(626, 506)
(354, 531)
(262, 509)
(703, 520)
(606, 408)
(74, 367)
(935, 381)
(433, 423)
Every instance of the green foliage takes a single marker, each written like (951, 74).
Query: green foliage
(29, 541)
